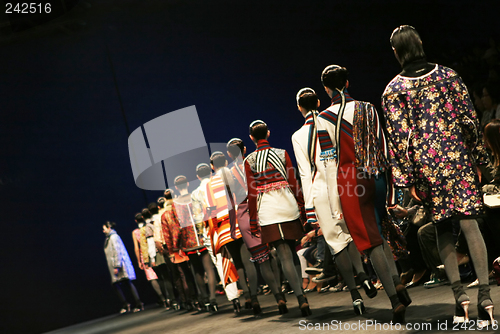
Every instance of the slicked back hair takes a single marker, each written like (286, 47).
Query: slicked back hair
(139, 218)
(168, 194)
(203, 170)
(146, 214)
(153, 208)
(307, 99)
(181, 182)
(258, 130)
(236, 147)
(218, 159)
(334, 77)
(407, 43)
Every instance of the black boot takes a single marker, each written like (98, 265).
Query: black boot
(304, 306)
(280, 299)
(236, 306)
(256, 306)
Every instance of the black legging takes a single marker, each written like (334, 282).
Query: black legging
(117, 286)
(241, 260)
(290, 264)
(164, 277)
(203, 263)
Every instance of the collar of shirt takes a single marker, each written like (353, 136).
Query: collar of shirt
(263, 144)
(336, 99)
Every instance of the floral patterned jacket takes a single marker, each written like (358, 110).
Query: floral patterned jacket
(435, 141)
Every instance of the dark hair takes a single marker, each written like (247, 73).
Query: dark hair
(236, 147)
(218, 159)
(407, 43)
(258, 130)
(153, 208)
(168, 194)
(203, 170)
(146, 214)
(307, 99)
(109, 224)
(139, 218)
(161, 202)
(181, 182)
(492, 139)
(334, 77)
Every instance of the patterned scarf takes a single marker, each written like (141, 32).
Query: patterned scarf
(369, 151)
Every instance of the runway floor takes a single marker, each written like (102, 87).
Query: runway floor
(430, 312)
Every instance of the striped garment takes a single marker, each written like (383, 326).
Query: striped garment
(219, 224)
(274, 194)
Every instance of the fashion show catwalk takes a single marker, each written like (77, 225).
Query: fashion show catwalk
(430, 312)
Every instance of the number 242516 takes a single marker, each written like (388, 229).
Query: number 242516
(27, 8)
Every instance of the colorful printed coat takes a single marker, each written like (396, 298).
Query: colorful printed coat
(435, 141)
(117, 258)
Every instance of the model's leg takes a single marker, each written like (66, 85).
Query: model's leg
(287, 263)
(199, 277)
(250, 269)
(156, 287)
(209, 269)
(478, 252)
(345, 265)
(139, 306)
(119, 293)
(355, 258)
(379, 262)
(446, 246)
(234, 249)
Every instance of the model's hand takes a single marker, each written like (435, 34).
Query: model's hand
(413, 193)
(479, 174)
(116, 271)
(141, 266)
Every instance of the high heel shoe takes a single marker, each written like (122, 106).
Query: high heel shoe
(236, 306)
(462, 302)
(280, 299)
(213, 307)
(398, 314)
(256, 307)
(248, 304)
(484, 307)
(125, 309)
(138, 308)
(304, 306)
(359, 306)
(367, 284)
(403, 295)
(175, 305)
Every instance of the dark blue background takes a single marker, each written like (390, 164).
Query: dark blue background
(64, 164)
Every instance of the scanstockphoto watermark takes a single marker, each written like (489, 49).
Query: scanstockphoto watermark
(374, 325)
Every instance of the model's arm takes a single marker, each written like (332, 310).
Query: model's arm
(473, 136)
(398, 141)
(115, 253)
(136, 251)
(252, 198)
(383, 149)
(295, 186)
(306, 176)
(151, 244)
